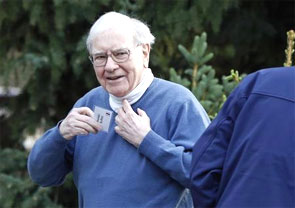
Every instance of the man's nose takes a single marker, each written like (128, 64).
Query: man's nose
(110, 64)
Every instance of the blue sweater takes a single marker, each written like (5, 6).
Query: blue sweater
(246, 157)
(110, 172)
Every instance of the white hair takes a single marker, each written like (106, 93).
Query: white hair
(110, 20)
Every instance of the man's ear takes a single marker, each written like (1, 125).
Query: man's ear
(146, 54)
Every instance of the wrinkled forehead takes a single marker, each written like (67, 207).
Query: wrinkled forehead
(111, 33)
(112, 39)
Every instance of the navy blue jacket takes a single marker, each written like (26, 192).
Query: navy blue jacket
(246, 157)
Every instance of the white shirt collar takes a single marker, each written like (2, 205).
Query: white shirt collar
(136, 93)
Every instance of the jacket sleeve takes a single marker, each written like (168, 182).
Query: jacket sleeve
(51, 159)
(185, 124)
(210, 152)
(208, 158)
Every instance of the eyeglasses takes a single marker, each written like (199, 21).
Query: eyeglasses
(118, 56)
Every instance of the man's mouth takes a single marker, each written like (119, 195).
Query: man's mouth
(114, 78)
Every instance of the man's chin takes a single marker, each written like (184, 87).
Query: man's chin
(118, 93)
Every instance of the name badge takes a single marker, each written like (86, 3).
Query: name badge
(103, 117)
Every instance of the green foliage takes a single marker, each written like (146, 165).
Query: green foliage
(202, 81)
(197, 55)
(175, 21)
(174, 77)
(42, 51)
(15, 192)
(16, 189)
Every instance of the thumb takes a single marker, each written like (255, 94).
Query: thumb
(141, 112)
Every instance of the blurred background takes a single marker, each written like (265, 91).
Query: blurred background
(44, 66)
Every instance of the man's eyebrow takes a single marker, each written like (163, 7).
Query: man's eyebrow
(120, 49)
(103, 52)
(98, 53)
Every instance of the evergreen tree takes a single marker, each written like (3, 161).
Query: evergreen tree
(16, 189)
(42, 51)
(201, 78)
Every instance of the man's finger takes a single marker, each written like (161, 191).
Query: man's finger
(90, 121)
(127, 107)
(121, 116)
(79, 131)
(87, 127)
(142, 113)
(117, 129)
(117, 120)
(85, 111)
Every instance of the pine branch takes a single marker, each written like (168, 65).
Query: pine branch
(194, 77)
(290, 47)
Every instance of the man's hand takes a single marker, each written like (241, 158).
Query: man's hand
(79, 121)
(131, 126)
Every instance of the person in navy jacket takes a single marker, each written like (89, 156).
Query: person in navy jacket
(246, 157)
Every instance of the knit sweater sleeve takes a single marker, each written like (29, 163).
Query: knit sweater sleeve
(50, 159)
(186, 122)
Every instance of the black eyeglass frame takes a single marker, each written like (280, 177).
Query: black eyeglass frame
(112, 56)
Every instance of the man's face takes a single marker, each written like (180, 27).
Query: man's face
(119, 78)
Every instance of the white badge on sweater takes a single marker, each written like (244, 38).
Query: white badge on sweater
(103, 117)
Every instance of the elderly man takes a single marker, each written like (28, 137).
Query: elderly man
(128, 142)
(246, 157)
